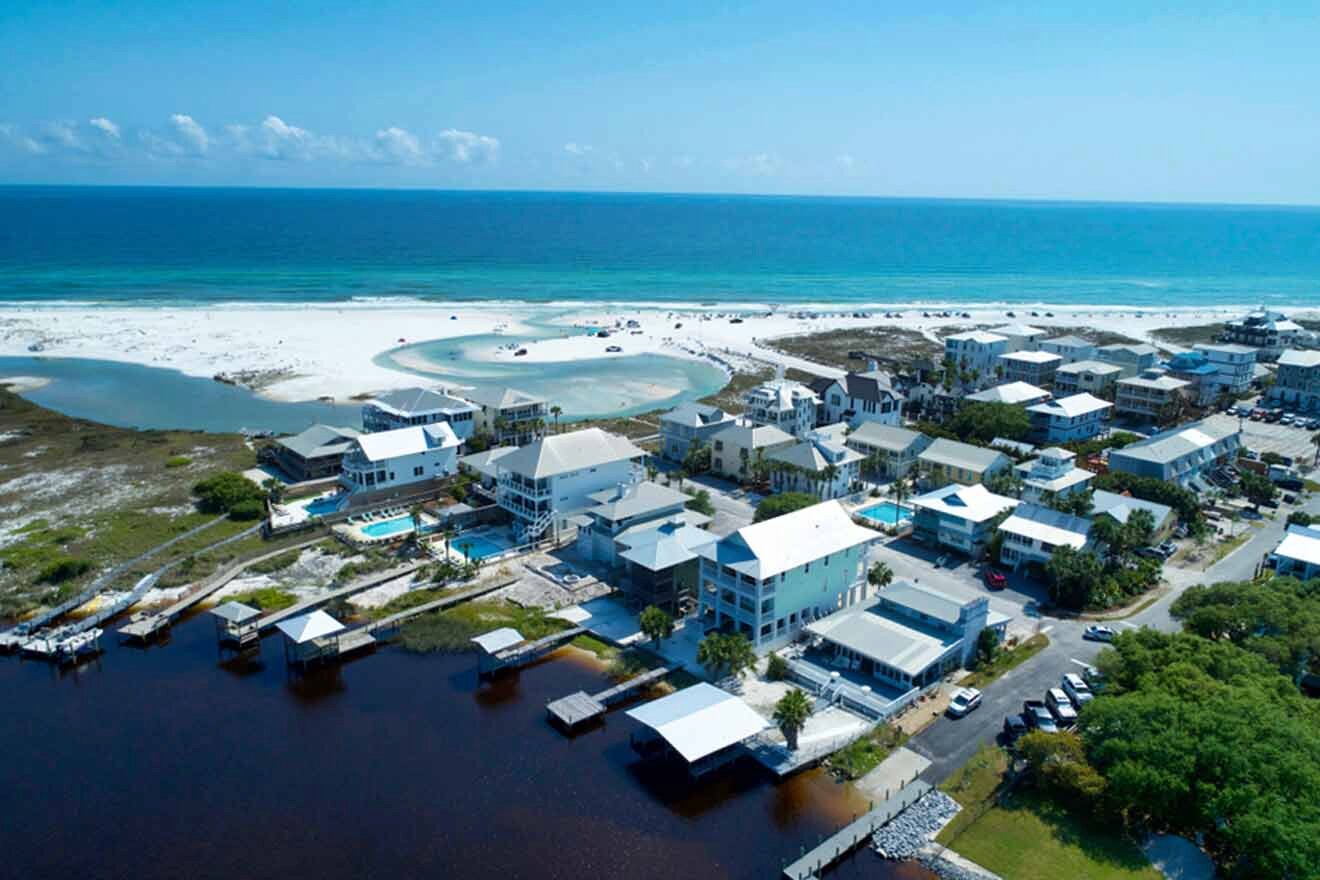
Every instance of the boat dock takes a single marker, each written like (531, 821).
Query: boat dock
(345, 641)
(812, 864)
(66, 643)
(579, 708)
(514, 651)
(144, 626)
(17, 637)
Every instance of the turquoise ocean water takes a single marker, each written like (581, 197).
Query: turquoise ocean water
(129, 245)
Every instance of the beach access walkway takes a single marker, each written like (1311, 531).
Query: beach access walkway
(143, 626)
(580, 707)
(812, 864)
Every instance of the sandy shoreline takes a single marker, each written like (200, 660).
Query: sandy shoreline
(318, 349)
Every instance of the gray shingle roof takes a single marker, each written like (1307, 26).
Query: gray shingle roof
(319, 441)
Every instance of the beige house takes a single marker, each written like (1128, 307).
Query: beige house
(734, 450)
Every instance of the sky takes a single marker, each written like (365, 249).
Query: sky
(1119, 101)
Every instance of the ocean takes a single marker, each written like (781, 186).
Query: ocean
(206, 246)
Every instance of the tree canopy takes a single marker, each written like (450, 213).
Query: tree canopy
(785, 502)
(1279, 619)
(1183, 501)
(231, 493)
(655, 624)
(1194, 735)
(982, 422)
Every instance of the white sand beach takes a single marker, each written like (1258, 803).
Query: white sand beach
(307, 351)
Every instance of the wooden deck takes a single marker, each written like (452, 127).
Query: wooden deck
(527, 652)
(838, 845)
(579, 708)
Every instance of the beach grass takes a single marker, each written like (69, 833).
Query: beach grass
(863, 755)
(893, 347)
(451, 631)
(1006, 660)
(266, 599)
(1188, 336)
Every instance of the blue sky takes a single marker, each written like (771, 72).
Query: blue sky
(1111, 101)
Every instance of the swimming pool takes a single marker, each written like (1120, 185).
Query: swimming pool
(477, 546)
(385, 528)
(886, 512)
(322, 506)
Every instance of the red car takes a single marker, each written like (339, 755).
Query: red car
(995, 580)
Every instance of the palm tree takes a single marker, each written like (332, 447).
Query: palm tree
(275, 489)
(829, 472)
(900, 489)
(652, 472)
(680, 475)
(880, 575)
(501, 425)
(791, 714)
(1315, 441)
(555, 411)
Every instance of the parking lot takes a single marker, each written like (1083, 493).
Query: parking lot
(1287, 440)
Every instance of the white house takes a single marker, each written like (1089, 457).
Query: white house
(1052, 475)
(1093, 377)
(545, 482)
(1078, 417)
(806, 466)
(1268, 332)
(784, 404)
(858, 398)
(893, 451)
(1179, 455)
(509, 416)
(1235, 366)
(688, 424)
(1032, 533)
(1032, 367)
(736, 449)
(419, 406)
(1071, 348)
(1150, 395)
(1020, 336)
(1298, 554)
(1297, 382)
(1131, 357)
(390, 459)
(976, 350)
(770, 579)
(619, 508)
(958, 517)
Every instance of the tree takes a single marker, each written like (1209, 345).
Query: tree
(785, 502)
(652, 472)
(415, 514)
(1315, 441)
(776, 668)
(880, 575)
(1005, 483)
(828, 475)
(1071, 574)
(274, 490)
(980, 422)
(226, 491)
(556, 411)
(701, 503)
(1300, 518)
(656, 625)
(1056, 764)
(791, 714)
(697, 460)
(1257, 489)
(680, 475)
(1073, 503)
(725, 654)
(987, 647)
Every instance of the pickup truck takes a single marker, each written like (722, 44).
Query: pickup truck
(1038, 716)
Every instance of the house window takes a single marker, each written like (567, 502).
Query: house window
(418, 471)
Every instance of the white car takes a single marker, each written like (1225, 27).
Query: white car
(1060, 707)
(1097, 633)
(963, 701)
(1077, 690)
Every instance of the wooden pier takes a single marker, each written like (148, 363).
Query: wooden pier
(144, 626)
(579, 708)
(524, 653)
(838, 845)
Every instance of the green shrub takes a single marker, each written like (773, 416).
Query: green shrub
(222, 492)
(776, 668)
(247, 510)
(178, 461)
(63, 570)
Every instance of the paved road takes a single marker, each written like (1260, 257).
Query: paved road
(949, 743)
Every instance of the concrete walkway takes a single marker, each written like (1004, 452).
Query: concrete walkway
(900, 768)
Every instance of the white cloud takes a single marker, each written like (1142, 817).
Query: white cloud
(398, 146)
(758, 164)
(466, 146)
(105, 125)
(192, 135)
(574, 149)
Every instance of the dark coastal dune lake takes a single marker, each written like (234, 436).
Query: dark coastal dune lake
(165, 763)
(165, 245)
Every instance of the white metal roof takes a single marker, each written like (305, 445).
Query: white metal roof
(927, 600)
(882, 639)
(961, 455)
(1299, 546)
(700, 720)
(498, 639)
(1031, 357)
(754, 436)
(503, 398)
(632, 499)
(384, 445)
(1295, 358)
(768, 548)
(574, 451)
(416, 401)
(973, 503)
(1010, 392)
(1072, 406)
(306, 627)
(881, 436)
(980, 336)
(1017, 330)
(235, 612)
(1097, 367)
(1049, 526)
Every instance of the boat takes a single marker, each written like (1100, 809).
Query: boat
(520, 352)
(613, 349)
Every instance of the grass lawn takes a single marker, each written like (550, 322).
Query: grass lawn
(451, 631)
(265, 599)
(1006, 661)
(860, 757)
(1031, 838)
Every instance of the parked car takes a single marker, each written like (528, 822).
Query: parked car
(1094, 678)
(1038, 716)
(995, 580)
(964, 700)
(1167, 548)
(1014, 727)
(1099, 633)
(1077, 690)
(1061, 707)
(1257, 415)
(1286, 419)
